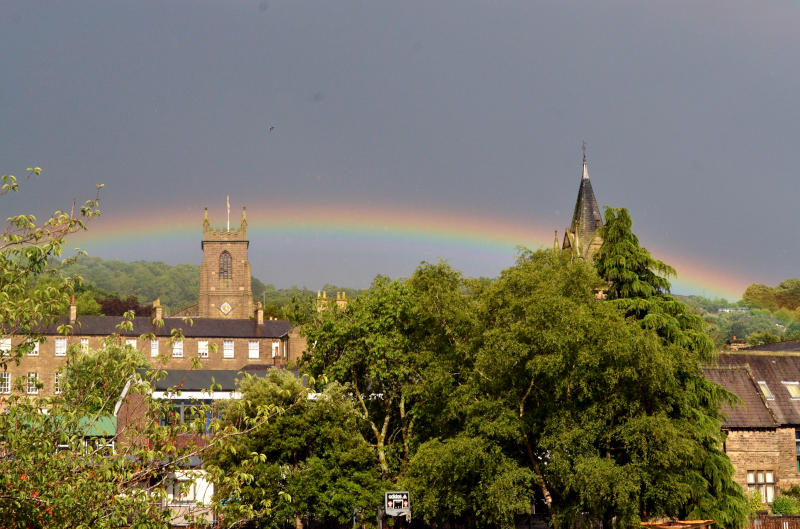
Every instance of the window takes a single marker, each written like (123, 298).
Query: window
(5, 382)
(793, 388)
(797, 447)
(35, 350)
(252, 350)
(765, 390)
(183, 491)
(131, 342)
(276, 349)
(57, 382)
(177, 350)
(61, 346)
(202, 348)
(227, 349)
(5, 346)
(33, 383)
(154, 348)
(84, 345)
(225, 265)
(762, 481)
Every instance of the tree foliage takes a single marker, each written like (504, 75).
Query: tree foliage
(26, 247)
(312, 462)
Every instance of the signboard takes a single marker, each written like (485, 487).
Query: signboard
(397, 504)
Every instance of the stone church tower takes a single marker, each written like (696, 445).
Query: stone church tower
(581, 237)
(225, 290)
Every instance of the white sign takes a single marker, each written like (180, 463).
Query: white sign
(397, 504)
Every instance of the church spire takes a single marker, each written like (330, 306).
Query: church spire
(586, 219)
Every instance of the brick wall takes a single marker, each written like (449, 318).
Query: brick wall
(47, 363)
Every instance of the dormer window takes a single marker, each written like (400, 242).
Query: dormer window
(765, 390)
(225, 265)
(793, 388)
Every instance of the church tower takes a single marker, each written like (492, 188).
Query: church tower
(581, 237)
(225, 290)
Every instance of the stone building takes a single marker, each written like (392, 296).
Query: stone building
(763, 433)
(581, 237)
(225, 290)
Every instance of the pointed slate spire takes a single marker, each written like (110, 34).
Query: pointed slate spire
(586, 219)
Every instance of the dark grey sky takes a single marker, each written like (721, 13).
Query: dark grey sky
(689, 109)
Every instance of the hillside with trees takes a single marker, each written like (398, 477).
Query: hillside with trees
(117, 286)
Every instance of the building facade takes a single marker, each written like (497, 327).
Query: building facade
(763, 431)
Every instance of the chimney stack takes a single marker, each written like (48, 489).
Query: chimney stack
(260, 313)
(73, 310)
(159, 311)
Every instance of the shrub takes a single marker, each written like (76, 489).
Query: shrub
(755, 502)
(785, 505)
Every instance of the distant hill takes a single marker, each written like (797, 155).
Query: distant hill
(177, 286)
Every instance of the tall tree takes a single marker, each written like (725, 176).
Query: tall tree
(638, 285)
(612, 419)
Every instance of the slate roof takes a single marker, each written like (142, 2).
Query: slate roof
(202, 379)
(200, 328)
(586, 219)
(753, 411)
(791, 346)
(773, 368)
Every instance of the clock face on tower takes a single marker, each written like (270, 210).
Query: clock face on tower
(225, 308)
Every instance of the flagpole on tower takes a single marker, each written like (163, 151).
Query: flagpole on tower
(228, 201)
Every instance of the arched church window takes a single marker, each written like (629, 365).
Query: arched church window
(225, 265)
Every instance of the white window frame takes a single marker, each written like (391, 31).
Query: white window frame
(61, 346)
(5, 382)
(57, 382)
(228, 349)
(154, 348)
(253, 350)
(202, 348)
(35, 350)
(177, 349)
(32, 386)
(5, 346)
(768, 394)
(792, 386)
(276, 349)
(764, 482)
(84, 345)
(131, 342)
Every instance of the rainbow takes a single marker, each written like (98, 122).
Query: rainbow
(380, 223)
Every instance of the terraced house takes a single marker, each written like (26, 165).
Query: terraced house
(763, 432)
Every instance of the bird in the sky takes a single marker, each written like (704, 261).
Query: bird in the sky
(271, 128)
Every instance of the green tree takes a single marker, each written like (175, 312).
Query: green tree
(395, 347)
(26, 248)
(310, 462)
(94, 380)
(613, 419)
(638, 285)
(760, 296)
